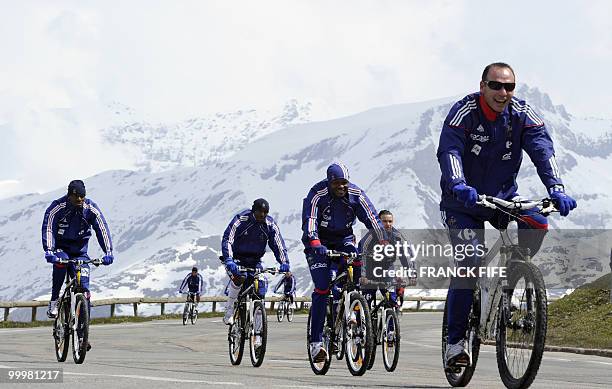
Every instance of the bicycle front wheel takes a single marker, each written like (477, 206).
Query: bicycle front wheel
(194, 314)
(521, 326)
(280, 311)
(359, 336)
(185, 313)
(390, 339)
(289, 308)
(80, 331)
(259, 334)
(61, 330)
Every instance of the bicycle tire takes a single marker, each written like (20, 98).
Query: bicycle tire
(289, 313)
(534, 322)
(358, 354)
(376, 331)
(280, 311)
(388, 341)
(235, 336)
(320, 368)
(61, 330)
(185, 313)
(258, 354)
(81, 319)
(462, 376)
(194, 314)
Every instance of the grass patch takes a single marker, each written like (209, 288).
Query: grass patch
(107, 320)
(583, 318)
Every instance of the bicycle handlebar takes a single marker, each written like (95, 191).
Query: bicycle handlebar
(271, 270)
(94, 261)
(545, 206)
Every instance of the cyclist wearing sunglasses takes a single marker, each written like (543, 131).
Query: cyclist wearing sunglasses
(66, 230)
(480, 152)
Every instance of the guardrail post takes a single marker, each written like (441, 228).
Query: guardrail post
(271, 305)
(135, 309)
(214, 307)
(163, 308)
(418, 304)
(112, 310)
(33, 313)
(302, 305)
(6, 313)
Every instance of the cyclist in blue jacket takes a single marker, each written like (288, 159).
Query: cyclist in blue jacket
(328, 214)
(66, 229)
(244, 243)
(287, 282)
(194, 282)
(480, 152)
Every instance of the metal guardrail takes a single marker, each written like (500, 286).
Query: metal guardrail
(135, 301)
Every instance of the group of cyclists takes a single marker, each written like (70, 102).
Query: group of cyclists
(480, 152)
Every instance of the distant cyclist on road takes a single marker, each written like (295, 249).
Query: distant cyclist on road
(244, 243)
(366, 250)
(194, 283)
(66, 229)
(480, 152)
(328, 214)
(287, 282)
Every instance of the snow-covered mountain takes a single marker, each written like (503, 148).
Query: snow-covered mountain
(165, 222)
(196, 141)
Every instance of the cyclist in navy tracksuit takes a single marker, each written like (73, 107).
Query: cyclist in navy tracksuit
(480, 152)
(328, 214)
(244, 243)
(193, 282)
(66, 229)
(287, 282)
(366, 249)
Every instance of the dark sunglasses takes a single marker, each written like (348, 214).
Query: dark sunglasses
(496, 85)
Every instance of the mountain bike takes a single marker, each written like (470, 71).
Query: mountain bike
(512, 311)
(72, 320)
(285, 308)
(190, 312)
(250, 318)
(386, 330)
(347, 327)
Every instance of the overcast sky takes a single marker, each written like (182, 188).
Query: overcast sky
(62, 62)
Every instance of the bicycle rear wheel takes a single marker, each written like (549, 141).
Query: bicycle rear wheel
(185, 313)
(235, 336)
(390, 340)
(461, 376)
(376, 332)
(61, 330)
(259, 328)
(522, 326)
(319, 368)
(359, 335)
(80, 332)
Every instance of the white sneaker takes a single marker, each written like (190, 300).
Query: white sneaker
(52, 311)
(229, 317)
(457, 355)
(257, 341)
(353, 318)
(317, 352)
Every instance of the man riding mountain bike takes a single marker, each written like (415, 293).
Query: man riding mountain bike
(244, 243)
(194, 283)
(66, 230)
(287, 282)
(328, 214)
(480, 153)
(366, 250)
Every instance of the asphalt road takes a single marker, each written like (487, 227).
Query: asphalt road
(163, 354)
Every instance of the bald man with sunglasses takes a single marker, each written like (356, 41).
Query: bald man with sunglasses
(480, 152)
